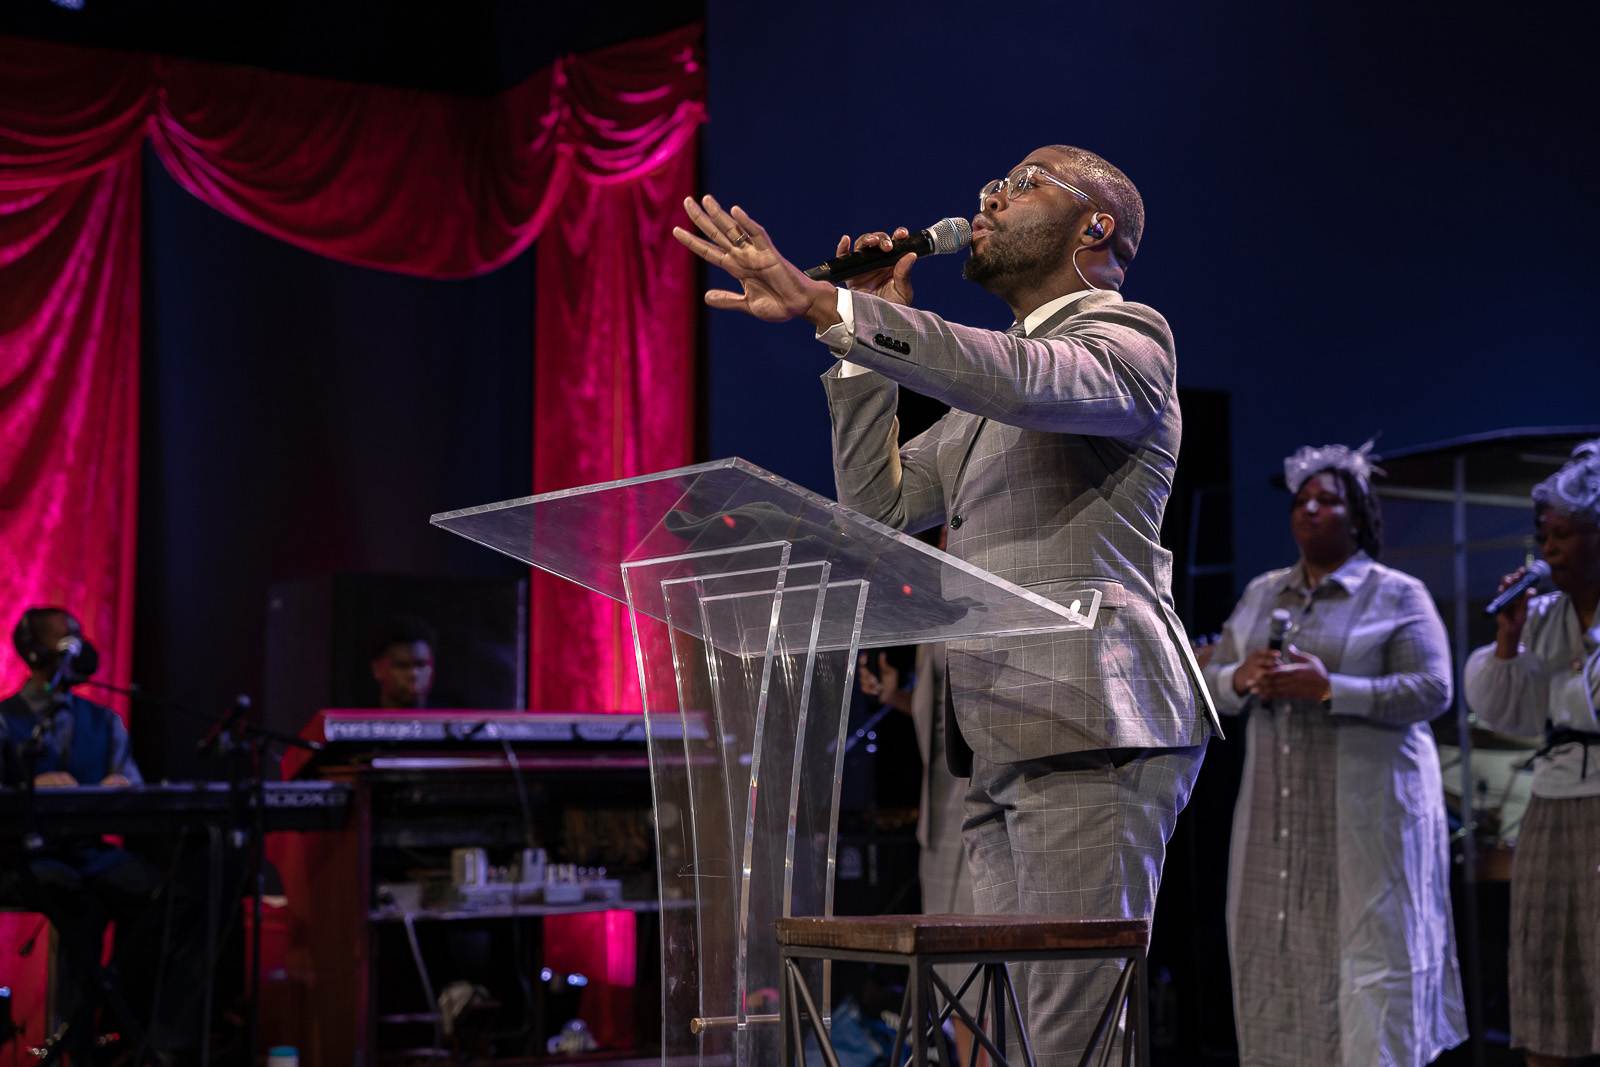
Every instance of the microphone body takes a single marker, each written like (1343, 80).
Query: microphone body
(1537, 572)
(946, 235)
(1278, 629)
(1277, 633)
(78, 660)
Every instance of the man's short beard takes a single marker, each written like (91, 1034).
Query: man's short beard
(1017, 254)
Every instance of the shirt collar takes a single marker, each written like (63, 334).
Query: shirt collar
(1038, 315)
(1348, 576)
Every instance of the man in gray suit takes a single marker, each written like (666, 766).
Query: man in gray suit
(1052, 470)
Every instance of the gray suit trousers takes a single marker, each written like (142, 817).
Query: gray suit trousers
(1081, 834)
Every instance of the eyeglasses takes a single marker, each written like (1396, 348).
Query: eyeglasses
(1018, 182)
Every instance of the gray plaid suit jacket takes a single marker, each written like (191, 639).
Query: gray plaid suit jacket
(1052, 470)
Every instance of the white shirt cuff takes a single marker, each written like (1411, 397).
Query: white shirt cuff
(1228, 702)
(841, 336)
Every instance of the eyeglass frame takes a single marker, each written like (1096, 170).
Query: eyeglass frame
(1029, 171)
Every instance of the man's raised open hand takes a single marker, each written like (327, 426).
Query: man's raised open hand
(774, 290)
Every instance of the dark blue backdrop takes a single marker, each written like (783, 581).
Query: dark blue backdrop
(1360, 218)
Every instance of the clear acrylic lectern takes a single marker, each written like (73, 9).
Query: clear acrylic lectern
(749, 598)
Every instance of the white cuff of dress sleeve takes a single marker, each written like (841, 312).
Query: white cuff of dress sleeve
(1228, 702)
(1352, 695)
(841, 336)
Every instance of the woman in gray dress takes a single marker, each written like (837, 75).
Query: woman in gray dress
(1339, 923)
(1542, 672)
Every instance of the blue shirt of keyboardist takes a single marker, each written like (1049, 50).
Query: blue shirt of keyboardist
(85, 739)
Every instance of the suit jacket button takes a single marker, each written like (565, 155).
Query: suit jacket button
(955, 522)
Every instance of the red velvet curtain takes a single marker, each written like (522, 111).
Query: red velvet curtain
(69, 403)
(69, 340)
(615, 232)
(424, 183)
(69, 373)
(602, 145)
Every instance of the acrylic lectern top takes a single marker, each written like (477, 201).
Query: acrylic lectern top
(727, 522)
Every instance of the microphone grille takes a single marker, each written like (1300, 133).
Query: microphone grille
(69, 646)
(1281, 621)
(950, 235)
(1539, 569)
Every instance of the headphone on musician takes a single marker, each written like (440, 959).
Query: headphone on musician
(26, 641)
(1096, 229)
(25, 638)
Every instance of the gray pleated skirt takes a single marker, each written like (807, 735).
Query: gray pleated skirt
(1555, 928)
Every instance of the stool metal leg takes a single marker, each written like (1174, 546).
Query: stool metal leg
(1140, 1039)
(997, 1029)
(1105, 1028)
(983, 1009)
(900, 1025)
(980, 1036)
(824, 1042)
(952, 1001)
(1019, 1010)
(919, 1017)
(790, 1043)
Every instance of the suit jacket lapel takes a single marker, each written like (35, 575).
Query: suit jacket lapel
(978, 423)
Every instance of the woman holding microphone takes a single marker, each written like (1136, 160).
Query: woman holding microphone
(1542, 674)
(1339, 925)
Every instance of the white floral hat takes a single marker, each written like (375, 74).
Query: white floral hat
(1308, 461)
(1574, 490)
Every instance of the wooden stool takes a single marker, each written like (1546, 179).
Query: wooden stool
(988, 943)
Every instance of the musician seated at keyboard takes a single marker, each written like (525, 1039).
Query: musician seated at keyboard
(72, 741)
(402, 662)
(63, 741)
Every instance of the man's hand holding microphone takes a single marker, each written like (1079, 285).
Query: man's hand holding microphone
(775, 290)
(891, 283)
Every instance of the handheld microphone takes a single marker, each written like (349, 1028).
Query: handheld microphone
(946, 235)
(1277, 633)
(1278, 629)
(1537, 572)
